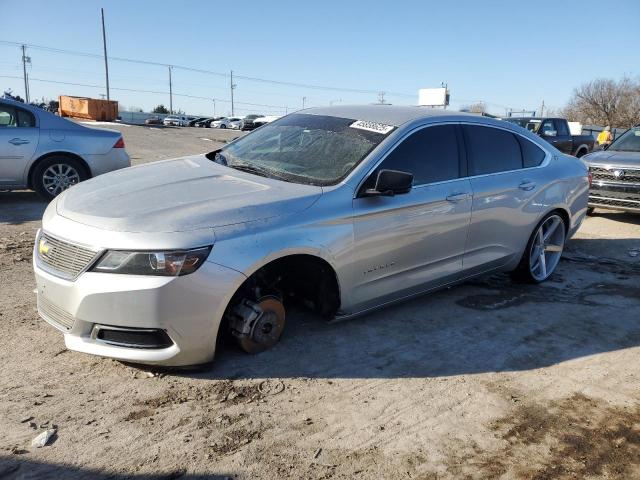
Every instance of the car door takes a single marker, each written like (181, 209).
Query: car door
(564, 139)
(504, 210)
(410, 242)
(549, 131)
(18, 142)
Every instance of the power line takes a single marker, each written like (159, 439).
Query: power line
(158, 92)
(211, 72)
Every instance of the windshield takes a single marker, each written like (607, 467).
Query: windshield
(628, 142)
(531, 124)
(304, 148)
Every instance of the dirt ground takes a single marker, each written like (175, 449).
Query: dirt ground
(481, 381)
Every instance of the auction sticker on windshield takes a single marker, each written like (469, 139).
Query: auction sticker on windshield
(372, 126)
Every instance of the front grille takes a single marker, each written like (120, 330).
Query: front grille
(63, 259)
(629, 175)
(55, 315)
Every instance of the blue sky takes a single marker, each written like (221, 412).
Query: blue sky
(505, 53)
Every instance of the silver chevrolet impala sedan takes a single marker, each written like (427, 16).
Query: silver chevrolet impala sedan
(342, 210)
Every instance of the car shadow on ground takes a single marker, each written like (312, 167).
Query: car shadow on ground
(486, 325)
(618, 216)
(14, 468)
(21, 206)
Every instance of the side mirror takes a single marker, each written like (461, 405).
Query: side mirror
(550, 133)
(390, 183)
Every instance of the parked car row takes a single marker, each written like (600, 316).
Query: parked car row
(245, 123)
(235, 123)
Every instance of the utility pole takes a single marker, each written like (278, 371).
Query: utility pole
(170, 92)
(104, 44)
(304, 99)
(542, 109)
(25, 59)
(233, 85)
(214, 106)
(381, 98)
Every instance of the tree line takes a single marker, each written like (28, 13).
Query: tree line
(606, 101)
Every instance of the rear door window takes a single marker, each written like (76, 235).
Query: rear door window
(431, 155)
(25, 119)
(491, 150)
(561, 128)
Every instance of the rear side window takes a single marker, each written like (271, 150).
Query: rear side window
(25, 119)
(562, 127)
(532, 155)
(431, 155)
(491, 150)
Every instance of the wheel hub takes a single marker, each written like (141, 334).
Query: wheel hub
(547, 247)
(59, 177)
(258, 325)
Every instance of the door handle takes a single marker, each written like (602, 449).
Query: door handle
(527, 185)
(457, 197)
(18, 141)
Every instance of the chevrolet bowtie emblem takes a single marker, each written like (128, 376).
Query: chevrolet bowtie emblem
(618, 173)
(43, 247)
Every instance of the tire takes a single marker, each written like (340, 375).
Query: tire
(590, 211)
(223, 126)
(543, 252)
(55, 174)
(581, 153)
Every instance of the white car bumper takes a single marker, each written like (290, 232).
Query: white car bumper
(170, 321)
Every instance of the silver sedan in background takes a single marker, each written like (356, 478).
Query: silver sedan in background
(46, 153)
(342, 210)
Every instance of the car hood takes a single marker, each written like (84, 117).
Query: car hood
(178, 195)
(606, 158)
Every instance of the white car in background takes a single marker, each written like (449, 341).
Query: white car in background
(224, 122)
(177, 120)
(235, 123)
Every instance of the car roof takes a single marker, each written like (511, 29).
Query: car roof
(388, 114)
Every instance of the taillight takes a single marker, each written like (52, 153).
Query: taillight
(119, 143)
(590, 177)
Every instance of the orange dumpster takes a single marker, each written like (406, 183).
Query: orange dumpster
(88, 108)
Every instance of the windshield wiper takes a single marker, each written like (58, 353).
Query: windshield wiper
(244, 167)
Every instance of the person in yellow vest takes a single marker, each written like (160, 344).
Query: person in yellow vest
(605, 137)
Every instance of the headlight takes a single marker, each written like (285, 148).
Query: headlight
(167, 264)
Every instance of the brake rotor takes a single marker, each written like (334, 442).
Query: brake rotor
(267, 328)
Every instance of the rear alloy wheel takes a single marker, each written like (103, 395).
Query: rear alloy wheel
(266, 328)
(543, 250)
(55, 174)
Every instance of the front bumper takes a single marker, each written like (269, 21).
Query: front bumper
(616, 196)
(188, 308)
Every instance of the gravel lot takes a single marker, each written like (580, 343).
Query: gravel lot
(485, 380)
